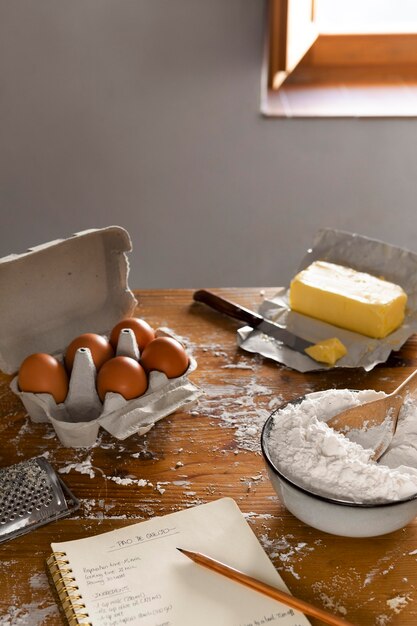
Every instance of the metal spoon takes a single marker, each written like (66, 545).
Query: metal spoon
(381, 414)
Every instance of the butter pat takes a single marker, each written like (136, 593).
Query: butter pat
(327, 351)
(349, 299)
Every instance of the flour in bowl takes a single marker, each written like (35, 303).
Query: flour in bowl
(316, 457)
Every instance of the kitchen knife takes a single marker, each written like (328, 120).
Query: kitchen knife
(253, 319)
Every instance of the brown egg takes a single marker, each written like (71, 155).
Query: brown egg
(143, 332)
(165, 355)
(42, 373)
(122, 375)
(101, 350)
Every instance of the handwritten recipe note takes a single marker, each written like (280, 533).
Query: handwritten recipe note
(135, 575)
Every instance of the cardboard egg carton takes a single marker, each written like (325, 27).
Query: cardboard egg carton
(63, 289)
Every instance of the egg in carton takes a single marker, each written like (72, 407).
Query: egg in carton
(77, 420)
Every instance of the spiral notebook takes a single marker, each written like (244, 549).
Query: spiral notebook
(136, 576)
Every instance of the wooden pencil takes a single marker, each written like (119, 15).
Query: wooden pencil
(268, 590)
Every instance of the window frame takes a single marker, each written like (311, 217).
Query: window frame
(292, 32)
(359, 60)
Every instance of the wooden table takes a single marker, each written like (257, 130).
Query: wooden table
(202, 453)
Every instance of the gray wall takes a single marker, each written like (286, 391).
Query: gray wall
(145, 113)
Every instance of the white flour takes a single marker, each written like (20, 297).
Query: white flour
(313, 455)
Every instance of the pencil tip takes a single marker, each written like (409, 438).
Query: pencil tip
(180, 549)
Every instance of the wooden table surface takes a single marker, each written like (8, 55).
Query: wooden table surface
(210, 450)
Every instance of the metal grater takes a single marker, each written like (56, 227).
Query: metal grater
(31, 494)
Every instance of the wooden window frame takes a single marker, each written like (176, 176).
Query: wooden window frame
(367, 65)
(288, 41)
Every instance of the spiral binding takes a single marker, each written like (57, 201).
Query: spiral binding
(67, 589)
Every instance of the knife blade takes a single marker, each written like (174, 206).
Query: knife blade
(256, 321)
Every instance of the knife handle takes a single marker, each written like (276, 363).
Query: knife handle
(228, 308)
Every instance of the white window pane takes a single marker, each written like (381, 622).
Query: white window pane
(366, 15)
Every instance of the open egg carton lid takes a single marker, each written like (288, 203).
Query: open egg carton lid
(61, 289)
(363, 254)
(57, 291)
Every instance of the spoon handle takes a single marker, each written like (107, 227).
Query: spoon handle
(407, 386)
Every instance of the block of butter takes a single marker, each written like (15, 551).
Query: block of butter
(349, 299)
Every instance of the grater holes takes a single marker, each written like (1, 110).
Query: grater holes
(27, 496)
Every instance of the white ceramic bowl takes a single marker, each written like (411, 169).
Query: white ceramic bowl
(338, 517)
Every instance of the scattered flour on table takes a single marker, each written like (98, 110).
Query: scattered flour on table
(334, 593)
(237, 366)
(312, 454)
(257, 516)
(384, 565)
(332, 605)
(28, 615)
(287, 550)
(39, 581)
(84, 467)
(139, 482)
(398, 603)
(243, 405)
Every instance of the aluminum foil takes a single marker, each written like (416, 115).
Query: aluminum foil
(363, 254)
